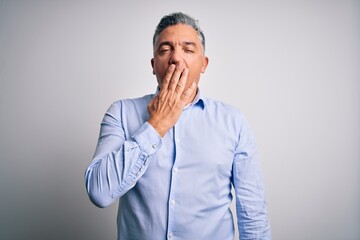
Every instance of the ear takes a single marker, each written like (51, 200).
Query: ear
(152, 65)
(205, 62)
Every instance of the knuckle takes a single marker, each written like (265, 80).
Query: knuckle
(186, 93)
(179, 85)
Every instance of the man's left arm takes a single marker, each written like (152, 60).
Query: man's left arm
(251, 207)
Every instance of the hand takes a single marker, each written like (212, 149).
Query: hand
(166, 107)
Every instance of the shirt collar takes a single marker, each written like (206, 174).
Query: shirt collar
(198, 101)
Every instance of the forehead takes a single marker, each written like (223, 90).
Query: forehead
(178, 33)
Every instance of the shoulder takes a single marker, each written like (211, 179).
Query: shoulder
(221, 107)
(134, 101)
(235, 119)
(129, 105)
(225, 113)
(230, 118)
(131, 102)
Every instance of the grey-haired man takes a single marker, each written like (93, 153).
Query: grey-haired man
(172, 157)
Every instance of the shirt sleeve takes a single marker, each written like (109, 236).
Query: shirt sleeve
(118, 163)
(251, 207)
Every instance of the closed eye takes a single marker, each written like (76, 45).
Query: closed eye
(164, 50)
(189, 50)
(189, 47)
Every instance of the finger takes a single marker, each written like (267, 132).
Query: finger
(153, 103)
(188, 92)
(169, 73)
(180, 86)
(175, 77)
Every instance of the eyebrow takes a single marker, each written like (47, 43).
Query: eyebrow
(164, 43)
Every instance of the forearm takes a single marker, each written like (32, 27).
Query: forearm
(112, 175)
(118, 162)
(251, 204)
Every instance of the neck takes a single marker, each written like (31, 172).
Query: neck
(192, 97)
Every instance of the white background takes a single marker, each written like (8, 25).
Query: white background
(293, 68)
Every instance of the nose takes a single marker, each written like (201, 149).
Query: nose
(176, 56)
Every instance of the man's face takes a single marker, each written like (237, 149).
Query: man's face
(180, 45)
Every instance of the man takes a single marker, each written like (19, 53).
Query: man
(173, 156)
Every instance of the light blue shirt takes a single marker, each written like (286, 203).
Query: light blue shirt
(179, 186)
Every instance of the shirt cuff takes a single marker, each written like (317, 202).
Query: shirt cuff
(148, 139)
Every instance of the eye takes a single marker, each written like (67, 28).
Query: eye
(163, 50)
(189, 50)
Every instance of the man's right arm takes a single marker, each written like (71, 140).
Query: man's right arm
(118, 163)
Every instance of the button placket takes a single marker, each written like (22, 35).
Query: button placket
(172, 196)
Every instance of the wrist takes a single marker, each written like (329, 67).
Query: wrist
(157, 126)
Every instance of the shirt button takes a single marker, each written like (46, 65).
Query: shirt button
(175, 169)
(172, 202)
(154, 146)
(170, 235)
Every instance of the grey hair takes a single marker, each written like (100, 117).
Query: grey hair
(176, 18)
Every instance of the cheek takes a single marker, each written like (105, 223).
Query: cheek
(160, 72)
(160, 66)
(195, 70)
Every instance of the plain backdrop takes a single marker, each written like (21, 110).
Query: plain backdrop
(293, 68)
